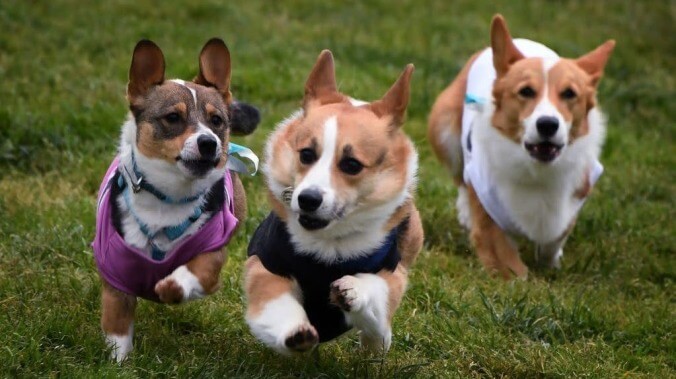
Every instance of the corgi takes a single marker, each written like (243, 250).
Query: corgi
(169, 201)
(521, 132)
(335, 251)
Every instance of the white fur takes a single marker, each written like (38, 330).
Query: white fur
(168, 178)
(192, 289)
(279, 319)
(120, 345)
(463, 209)
(539, 197)
(545, 107)
(361, 228)
(319, 176)
(367, 295)
(192, 91)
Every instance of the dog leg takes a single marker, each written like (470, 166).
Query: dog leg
(463, 208)
(549, 254)
(369, 302)
(274, 311)
(194, 280)
(117, 321)
(496, 251)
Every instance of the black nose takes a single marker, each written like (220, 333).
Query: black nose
(547, 126)
(207, 145)
(309, 200)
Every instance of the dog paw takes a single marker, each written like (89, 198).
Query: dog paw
(169, 291)
(302, 339)
(345, 294)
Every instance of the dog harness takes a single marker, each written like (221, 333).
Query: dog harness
(479, 92)
(272, 244)
(129, 269)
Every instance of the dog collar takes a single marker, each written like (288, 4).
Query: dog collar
(240, 159)
(138, 183)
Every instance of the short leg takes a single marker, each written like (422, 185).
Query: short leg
(462, 207)
(549, 254)
(274, 312)
(117, 321)
(369, 302)
(194, 280)
(494, 248)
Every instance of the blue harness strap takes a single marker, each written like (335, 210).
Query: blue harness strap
(171, 232)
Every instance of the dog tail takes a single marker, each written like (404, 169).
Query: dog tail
(445, 123)
(244, 118)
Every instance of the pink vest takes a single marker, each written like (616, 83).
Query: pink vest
(131, 270)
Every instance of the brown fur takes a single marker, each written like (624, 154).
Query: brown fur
(369, 133)
(148, 95)
(494, 248)
(262, 286)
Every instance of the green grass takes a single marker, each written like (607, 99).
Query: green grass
(610, 312)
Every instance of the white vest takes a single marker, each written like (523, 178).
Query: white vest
(480, 92)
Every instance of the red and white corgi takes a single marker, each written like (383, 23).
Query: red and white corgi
(521, 132)
(335, 252)
(169, 202)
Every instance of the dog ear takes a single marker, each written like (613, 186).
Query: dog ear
(321, 83)
(595, 61)
(215, 67)
(147, 69)
(244, 118)
(505, 52)
(395, 101)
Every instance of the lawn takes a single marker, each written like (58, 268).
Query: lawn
(610, 312)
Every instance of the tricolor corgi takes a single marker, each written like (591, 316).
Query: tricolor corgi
(521, 132)
(334, 254)
(169, 202)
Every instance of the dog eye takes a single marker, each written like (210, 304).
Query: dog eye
(172, 117)
(350, 166)
(568, 94)
(527, 92)
(308, 156)
(216, 120)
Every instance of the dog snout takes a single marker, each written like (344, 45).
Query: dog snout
(547, 126)
(310, 199)
(207, 145)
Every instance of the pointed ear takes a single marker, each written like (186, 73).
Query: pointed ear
(595, 61)
(321, 83)
(395, 101)
(147, 69)
(504, 51)
(215, 67)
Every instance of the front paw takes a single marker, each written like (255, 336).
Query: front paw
(169, 291)
(302, 339)
(345, 294)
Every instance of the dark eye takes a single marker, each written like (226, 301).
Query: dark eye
(568, 94)
(216, 120)
(528, 92)
(172, 117)
(308, 156)
(350, 166)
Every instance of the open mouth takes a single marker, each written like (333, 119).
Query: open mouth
(199, 167)
(543, 151)
(312, 223)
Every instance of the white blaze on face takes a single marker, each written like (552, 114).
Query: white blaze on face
(319, 176)
(546, 108)
(192, 91)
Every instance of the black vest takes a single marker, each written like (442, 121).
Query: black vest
(272, 244)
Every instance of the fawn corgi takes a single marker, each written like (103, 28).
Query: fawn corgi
(169, 202)
(520, 130)
(334, 254)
